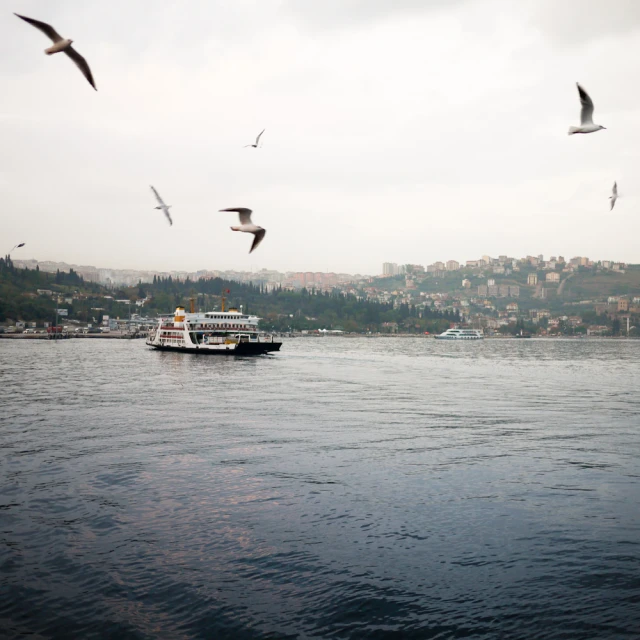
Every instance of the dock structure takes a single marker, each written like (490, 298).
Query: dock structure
(64, 335)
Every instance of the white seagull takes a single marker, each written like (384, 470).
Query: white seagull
(586, 114)
(614, 195)
(165, 207)
(257, 140)
(247, 226)
(61, 44)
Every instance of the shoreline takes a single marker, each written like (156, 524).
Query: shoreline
(70, 336)
(123, 335)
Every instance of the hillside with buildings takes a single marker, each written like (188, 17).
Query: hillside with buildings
(31, 298)
(269, 278)
(502, 294)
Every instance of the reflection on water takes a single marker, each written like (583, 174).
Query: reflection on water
(349, 488)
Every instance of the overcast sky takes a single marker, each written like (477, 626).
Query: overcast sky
(407, 131)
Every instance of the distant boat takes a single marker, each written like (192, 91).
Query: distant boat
(460, 334)
(523, 334)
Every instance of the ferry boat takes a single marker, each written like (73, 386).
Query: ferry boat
(460, 334)
(214, 332)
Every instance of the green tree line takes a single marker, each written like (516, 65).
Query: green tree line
(297, 310)
(280, 309)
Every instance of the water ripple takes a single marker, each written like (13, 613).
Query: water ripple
(346, 488)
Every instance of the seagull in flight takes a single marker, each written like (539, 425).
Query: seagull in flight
(61, 44)
(165, 207)
(257, 140)
(614, 195)
(247, 226)
(586, 114)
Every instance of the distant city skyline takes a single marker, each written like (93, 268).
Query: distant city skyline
(552, 294)
(129, 277)
(305, 277)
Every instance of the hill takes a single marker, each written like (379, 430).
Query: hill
(32, 296)
(283, 310)
(587, 285)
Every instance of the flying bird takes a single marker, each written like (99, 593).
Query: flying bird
(586, 114)
(61, 44)
(614, 195)
(165, 207)
(257, 140)
(247, 226)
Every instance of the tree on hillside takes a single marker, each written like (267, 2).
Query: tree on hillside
(615, 327)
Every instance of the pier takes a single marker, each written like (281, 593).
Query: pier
(43, 336)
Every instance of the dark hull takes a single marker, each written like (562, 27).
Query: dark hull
(243, 349)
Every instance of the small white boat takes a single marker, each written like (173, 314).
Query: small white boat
(460, 334)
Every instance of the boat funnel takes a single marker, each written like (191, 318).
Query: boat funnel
(178, 316)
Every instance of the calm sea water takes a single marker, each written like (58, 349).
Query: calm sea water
(345, 488)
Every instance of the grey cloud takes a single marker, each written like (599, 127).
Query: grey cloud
(338, 13)
(577, 22)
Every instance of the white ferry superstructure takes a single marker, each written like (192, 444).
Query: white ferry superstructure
(460, 334)
(214, 332)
